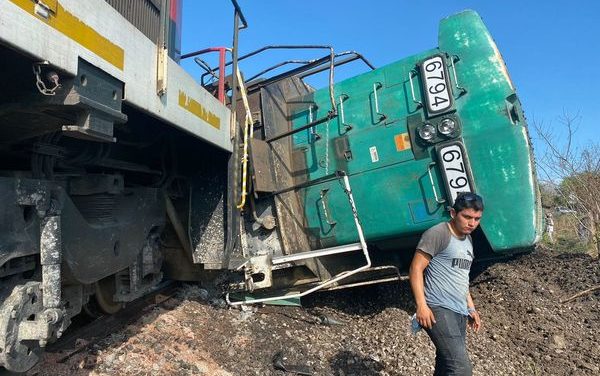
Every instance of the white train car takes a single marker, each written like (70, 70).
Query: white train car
(104, 139)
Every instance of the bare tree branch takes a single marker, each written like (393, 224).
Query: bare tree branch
(573, 170)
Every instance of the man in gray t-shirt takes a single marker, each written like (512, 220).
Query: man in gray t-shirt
(439, 277)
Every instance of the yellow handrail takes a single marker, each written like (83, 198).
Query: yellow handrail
(248, 134)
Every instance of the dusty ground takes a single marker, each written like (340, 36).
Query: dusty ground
(527, 330)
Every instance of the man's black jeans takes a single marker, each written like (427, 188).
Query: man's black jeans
(448, 334)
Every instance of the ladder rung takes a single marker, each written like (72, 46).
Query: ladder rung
(317, 253)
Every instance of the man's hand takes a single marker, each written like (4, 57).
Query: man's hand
(425, 317)
(474, 321)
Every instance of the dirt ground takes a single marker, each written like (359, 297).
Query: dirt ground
(527, 330)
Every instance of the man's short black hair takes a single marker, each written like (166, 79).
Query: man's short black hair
(468, 200)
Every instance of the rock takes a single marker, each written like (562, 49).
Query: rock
(218, 303)
(110, 359)
(559, 341)
(588, 366)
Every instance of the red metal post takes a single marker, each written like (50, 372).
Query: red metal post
(222, 51)
(222, 74)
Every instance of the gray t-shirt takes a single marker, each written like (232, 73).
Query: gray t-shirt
(447, 275)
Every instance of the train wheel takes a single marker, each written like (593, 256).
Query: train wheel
(91, 309)
(23, 304)
(105, 292)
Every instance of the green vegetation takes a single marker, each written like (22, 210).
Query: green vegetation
(570, 186)
(568, 236)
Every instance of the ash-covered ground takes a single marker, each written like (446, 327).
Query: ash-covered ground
(526, 330)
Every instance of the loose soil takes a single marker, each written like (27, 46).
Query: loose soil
(362, 331)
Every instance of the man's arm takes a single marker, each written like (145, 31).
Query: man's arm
(475, 320)
(419, 262)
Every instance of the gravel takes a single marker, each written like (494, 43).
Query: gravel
(364, 331)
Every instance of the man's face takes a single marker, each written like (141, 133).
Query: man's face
(466, 220)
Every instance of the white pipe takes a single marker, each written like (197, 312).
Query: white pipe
(337, 278)
(318, 253)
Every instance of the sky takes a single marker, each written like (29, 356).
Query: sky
(551, 47)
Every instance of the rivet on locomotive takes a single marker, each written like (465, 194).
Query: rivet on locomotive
(119, 170)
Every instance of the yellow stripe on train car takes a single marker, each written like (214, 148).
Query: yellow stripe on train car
(197, 109)
(66, 23)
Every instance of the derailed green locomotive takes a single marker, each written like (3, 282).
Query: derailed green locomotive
(380, 156)
(118, 168)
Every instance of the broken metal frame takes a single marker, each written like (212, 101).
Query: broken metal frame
(329, 251)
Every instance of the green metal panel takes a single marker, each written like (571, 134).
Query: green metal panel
(391, 201)
(499, 150)
(392, 189)
(359, 111)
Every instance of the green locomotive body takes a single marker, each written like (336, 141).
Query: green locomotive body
(403, 183)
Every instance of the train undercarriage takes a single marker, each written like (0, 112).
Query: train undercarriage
(87, 222)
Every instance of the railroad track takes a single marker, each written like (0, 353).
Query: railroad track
(82, 337)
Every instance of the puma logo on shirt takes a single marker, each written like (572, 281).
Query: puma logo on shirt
(461, 263)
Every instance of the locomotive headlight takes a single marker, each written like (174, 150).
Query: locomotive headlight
(427, 132)
(447, 126)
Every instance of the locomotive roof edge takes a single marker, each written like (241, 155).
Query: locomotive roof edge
(69, 30)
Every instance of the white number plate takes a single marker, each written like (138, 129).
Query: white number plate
(454, 168)
(435, 81)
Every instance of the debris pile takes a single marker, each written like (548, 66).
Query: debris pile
(362, 331)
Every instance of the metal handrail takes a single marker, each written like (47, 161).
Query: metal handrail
(221, 51)
(309, 68)
(278, 65)
(316, 69)
(356, 56)
(240, 14)
(331, 59)
(437, 198)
